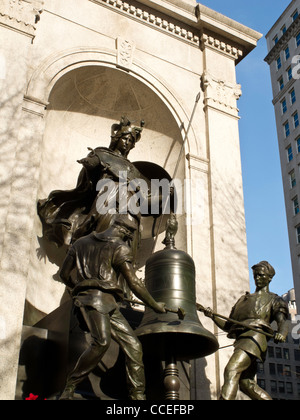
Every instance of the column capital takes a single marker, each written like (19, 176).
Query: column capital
(21, 15)
(220, 94)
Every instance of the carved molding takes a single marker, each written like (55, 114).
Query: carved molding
(211, 41)
(197, 163)
(283, 41)
(152, 19)
(221, 94)
(34, 106)
(21, 15)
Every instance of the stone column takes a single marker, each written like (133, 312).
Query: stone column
(229, 259)
(19, 163)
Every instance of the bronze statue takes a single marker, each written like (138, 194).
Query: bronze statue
(98, 259)
(257, 311)
(69, 215)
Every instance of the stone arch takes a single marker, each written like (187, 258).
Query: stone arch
(71, 126)
(45, 76)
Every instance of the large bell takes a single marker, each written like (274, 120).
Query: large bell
(170, 278)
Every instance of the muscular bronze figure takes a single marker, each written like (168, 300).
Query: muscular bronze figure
(258, 311)
(98, 259)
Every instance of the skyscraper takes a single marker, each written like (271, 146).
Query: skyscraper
(283, 41)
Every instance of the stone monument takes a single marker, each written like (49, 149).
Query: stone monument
(67, 74)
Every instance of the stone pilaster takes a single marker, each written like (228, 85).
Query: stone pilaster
(19, 140)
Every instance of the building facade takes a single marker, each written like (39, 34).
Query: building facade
(283, 41)
(68, 71)
(280, 374)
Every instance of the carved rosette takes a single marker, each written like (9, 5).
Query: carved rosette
(20, 15)
(220, 94)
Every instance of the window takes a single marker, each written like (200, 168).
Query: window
(281, 83)
(289, 73)
(271, 351)
(286, 354)
(278, 61)
(298, 39)
(298, 372)
(295, 15)
(284, 106)
(293, 178)
(286, 129)
(276, 39)
(280, 370)
(272, 369)
(283, 30)
(281, 387)
(298, 242)
(287, 371)
(297, 352)
(273, 386)
(261, 383)
(260, 367)
(298, 145)
(289, 388)
(287, 53)
(293, 96)
(296, 205)
(290, 153)
(296, 120)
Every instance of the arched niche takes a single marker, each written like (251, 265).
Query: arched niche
(83, 105)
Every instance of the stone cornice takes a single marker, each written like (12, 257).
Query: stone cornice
(153, 18)
(282, 92)
(292, 31)
(20, 15)
(221, 45)
(227, 31)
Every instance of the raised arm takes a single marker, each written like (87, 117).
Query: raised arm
(139, 289)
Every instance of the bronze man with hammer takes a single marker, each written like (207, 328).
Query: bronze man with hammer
(98, 259)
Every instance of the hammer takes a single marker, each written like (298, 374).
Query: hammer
(180, 311)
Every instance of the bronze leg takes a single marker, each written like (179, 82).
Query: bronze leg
(239, 362)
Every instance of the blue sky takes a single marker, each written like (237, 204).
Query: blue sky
(263, 192)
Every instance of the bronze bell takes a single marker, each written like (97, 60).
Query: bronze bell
(170, 278)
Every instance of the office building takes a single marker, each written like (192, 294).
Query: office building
(283, 41)
(280, 374)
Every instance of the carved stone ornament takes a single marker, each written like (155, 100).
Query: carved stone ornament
(125, 52)
(153, 19)
(211, 41)
(221, 94)
(21, 15)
